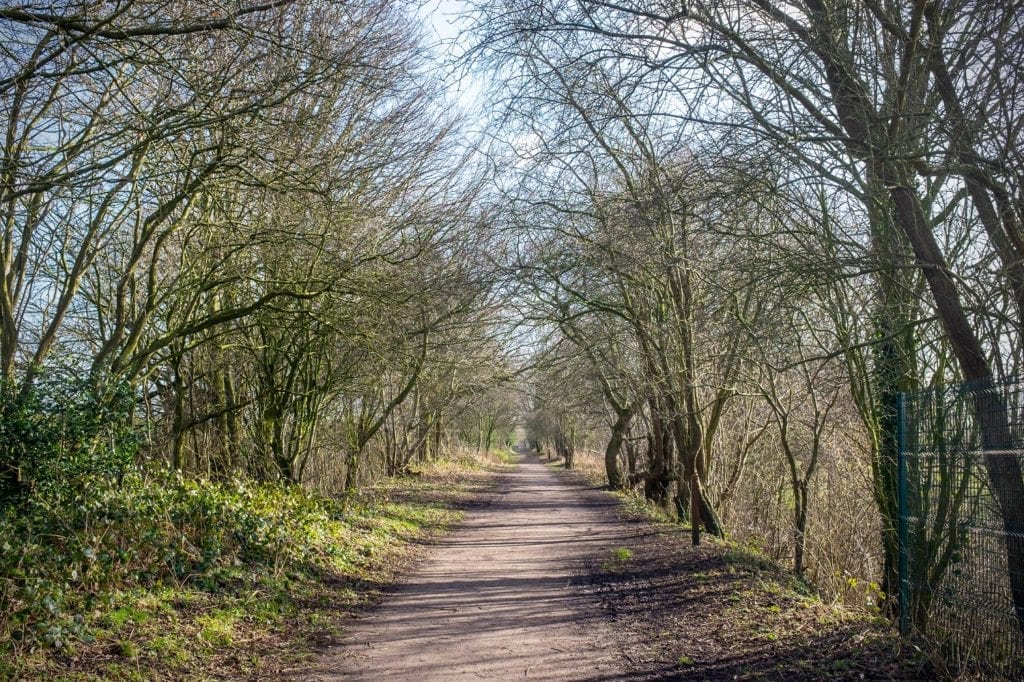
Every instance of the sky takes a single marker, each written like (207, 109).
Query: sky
(442, 20)
(441, 17)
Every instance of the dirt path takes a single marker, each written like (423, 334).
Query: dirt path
(554, 580)
(505, 596)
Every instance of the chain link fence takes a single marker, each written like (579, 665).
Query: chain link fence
(961, 526)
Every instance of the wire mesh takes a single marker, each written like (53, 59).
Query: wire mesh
(962, 523)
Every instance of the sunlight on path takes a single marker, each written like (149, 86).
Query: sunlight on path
(500, 597)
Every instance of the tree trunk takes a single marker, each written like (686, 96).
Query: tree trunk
(351, 474)
(178, 428)
(695, 515)
(1004, 471)
(423, 451)
(611, 453)
(868, 142)
(437, 436)
(693, 506)
(565, 449)
(656, 484)
(799, 526)
(630, 461)
(491, 423)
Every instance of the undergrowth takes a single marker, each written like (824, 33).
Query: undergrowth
(157, 575)
(590, 468)
(756, 617)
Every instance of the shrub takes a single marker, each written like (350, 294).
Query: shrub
(59, 433)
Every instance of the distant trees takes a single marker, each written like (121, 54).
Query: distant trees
(620, 260)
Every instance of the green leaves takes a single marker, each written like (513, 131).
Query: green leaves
(59, 433)
(64, 549)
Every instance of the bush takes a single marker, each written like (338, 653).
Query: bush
(59, 433)
(79, 521)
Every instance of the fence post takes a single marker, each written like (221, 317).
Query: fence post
(902, 524)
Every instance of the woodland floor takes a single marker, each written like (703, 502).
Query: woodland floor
(551, 578)
(261, 622)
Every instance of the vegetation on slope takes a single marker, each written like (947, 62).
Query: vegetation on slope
(159, 576)
(727, 610)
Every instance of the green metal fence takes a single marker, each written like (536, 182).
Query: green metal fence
(961, 524)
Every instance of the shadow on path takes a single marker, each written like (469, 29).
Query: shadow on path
(502, 597)
(529, 587)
